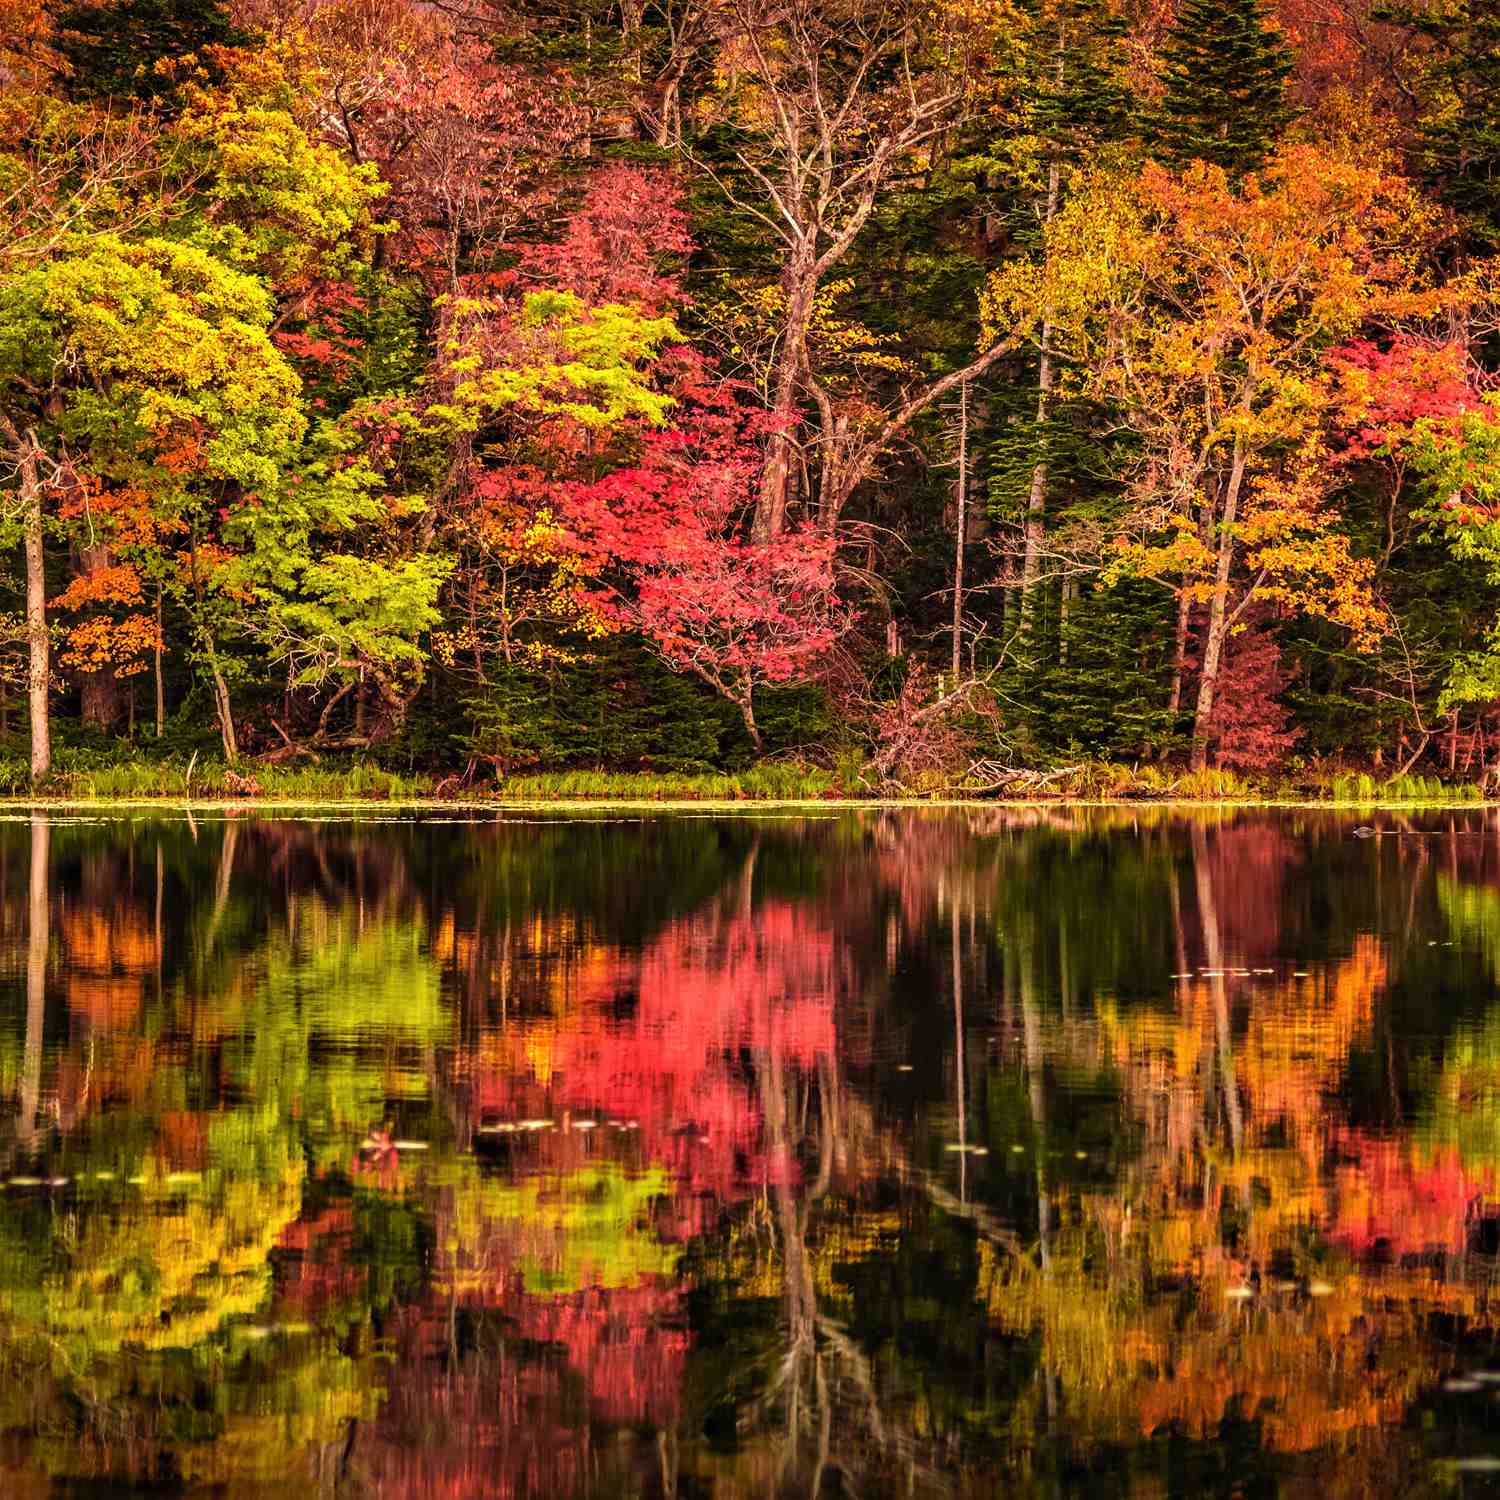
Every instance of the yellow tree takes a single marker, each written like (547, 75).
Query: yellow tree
(1201, 311)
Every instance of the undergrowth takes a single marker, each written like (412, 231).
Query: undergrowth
(87, 773)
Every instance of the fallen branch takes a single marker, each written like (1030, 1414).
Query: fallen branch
(1010, 778)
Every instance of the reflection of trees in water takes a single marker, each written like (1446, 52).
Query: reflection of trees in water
(1225, 1273)
(735, 1251)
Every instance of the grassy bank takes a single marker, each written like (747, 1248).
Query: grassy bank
(89, 777)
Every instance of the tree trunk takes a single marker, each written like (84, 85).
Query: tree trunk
(1213, 642)
(101, 693)
(747, 713)
(1036, 499)
(1179, 652)
(39, 667)
(222, 707)
(216, 677)
(100, 699)
(161, 698)
(960, 538)
(786, 374)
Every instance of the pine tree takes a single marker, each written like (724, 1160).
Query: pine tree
(116, 50)
(1224, 72)
(1459, 134)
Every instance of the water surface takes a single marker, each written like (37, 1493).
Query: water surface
(911, 1153)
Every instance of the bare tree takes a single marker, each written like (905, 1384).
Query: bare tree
(845, 99)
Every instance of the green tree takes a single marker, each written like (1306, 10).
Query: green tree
(124, 50)
(1458, 139)
(1223, 72)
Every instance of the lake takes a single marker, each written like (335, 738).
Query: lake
(1137, 1152)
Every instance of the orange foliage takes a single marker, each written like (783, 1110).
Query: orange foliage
(110, 957)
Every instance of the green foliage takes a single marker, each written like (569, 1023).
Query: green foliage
(587, 365)
(1224, 71)
(1102, 687)
(135, 49)
(616, 708)
(1459, 130)
(162, 341)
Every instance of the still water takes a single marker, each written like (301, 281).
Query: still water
(923, 1153)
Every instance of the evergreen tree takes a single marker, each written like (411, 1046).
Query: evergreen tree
(114, 50)
(1224, 72)
(1459, 135)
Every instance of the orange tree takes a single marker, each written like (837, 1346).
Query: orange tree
(1201, 310)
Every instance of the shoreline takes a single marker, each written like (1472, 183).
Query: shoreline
(501, 805)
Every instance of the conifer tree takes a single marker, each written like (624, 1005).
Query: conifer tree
(117, 50)
(1224, 69)
(1459, 136)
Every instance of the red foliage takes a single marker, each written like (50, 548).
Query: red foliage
(629, 1343)
(1386, 391)
(670, 530)
(714, 989)
(609, 251)
(1390, 1202)
(1248, 726)
(471, 149)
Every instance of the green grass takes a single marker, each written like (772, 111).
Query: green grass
(1362, 788)
(770, 782)
(94, 775)
(86, 773)
(74, 776)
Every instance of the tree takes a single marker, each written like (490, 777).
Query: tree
(1223, 74)
(840, 101)
(137, 49)
(1078, 102)
(1458, 137)
(1203, 311)
(1457, 456)
(145, 363)
(666, 535)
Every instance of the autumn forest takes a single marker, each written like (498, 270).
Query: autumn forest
(869, 397)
